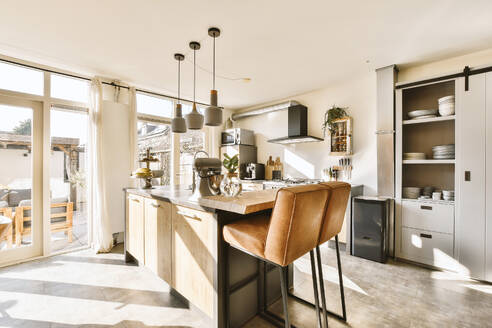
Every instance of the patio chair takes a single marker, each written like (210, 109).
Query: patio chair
(61, 218)
(6, 226)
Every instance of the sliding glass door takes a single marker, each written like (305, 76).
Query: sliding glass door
(68, 179)
(21, 170)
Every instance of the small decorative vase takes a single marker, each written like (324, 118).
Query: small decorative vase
(230, 185)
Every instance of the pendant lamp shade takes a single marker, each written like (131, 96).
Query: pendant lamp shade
(194, 120)
(213, 113)
(178, 123)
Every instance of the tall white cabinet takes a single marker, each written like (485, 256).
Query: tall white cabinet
(425, 229)
(451, 235)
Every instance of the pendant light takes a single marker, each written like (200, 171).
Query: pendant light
(178, 123)
(194, 120)
(213, 113)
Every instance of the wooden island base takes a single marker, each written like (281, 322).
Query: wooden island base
(181, 242)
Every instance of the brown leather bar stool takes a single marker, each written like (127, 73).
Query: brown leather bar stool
(292, 230)
(332, 224)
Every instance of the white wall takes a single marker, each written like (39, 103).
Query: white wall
(309, 159)
(16, 171)
(446, 66)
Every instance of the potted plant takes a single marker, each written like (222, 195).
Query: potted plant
(230, 185)
(331, 115)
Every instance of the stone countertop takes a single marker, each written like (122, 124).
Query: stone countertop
(245, 203)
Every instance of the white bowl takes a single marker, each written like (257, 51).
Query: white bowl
(447, 99)
(446, 111)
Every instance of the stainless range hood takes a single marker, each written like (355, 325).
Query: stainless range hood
(297, 122)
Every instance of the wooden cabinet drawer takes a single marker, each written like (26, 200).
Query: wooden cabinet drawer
(158, 238)
(428, 216)
(135, 227)
(432, 248)
(194, 256)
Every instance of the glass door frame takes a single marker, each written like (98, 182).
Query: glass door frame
(41, 138)
(37, 246)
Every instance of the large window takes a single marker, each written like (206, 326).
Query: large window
(68, 178)
(154, 132)
(189, 143)
(69, 88)
(21, 79)
(157, 137)
(154, 106)
(15, 176)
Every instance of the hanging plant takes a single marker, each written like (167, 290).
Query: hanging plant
(333, 114)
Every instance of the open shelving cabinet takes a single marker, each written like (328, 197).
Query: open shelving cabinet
(424, 228)
(341, 137)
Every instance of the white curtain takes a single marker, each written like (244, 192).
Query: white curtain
(133, 133)
(101, 227)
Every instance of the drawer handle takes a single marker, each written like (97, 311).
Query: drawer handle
(155, 205)
(135, 200)
(425, 235)
(425, 207)
(367, 238)
(186, 215)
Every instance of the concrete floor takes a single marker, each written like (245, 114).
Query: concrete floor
(86, 290)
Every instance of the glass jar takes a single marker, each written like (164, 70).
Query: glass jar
(230, 185)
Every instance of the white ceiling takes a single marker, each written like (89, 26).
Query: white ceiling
(286, 47)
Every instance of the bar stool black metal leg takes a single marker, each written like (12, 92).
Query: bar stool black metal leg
(315, 288)
(283, 282)
(340, 279)
(321, 286)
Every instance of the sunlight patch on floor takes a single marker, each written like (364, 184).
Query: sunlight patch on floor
(66, 310)
(330, 274)
(481, 288)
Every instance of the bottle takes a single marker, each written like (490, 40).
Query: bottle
(269, 169)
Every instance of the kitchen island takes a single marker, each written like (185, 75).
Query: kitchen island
(181, 241)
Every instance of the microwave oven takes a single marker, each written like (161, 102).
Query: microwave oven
(238, 137)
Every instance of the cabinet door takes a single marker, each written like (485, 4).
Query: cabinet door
(488, 254)
(135, 227)
(194, 256)
(158, 238)
(470, 228)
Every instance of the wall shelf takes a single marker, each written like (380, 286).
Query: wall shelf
(429, 120)
(429, 161)
(341, 137)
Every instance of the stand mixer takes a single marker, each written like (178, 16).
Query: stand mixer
(206, 176)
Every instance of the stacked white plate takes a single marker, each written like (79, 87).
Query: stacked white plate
(411, 192)
(428, 190)
(413, 156)
(422, 113)
(448, 195)
(443, 152)
(446, 105)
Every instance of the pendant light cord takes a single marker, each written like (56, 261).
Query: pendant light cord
(194, 73)
(179, 81)
(214, 65)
